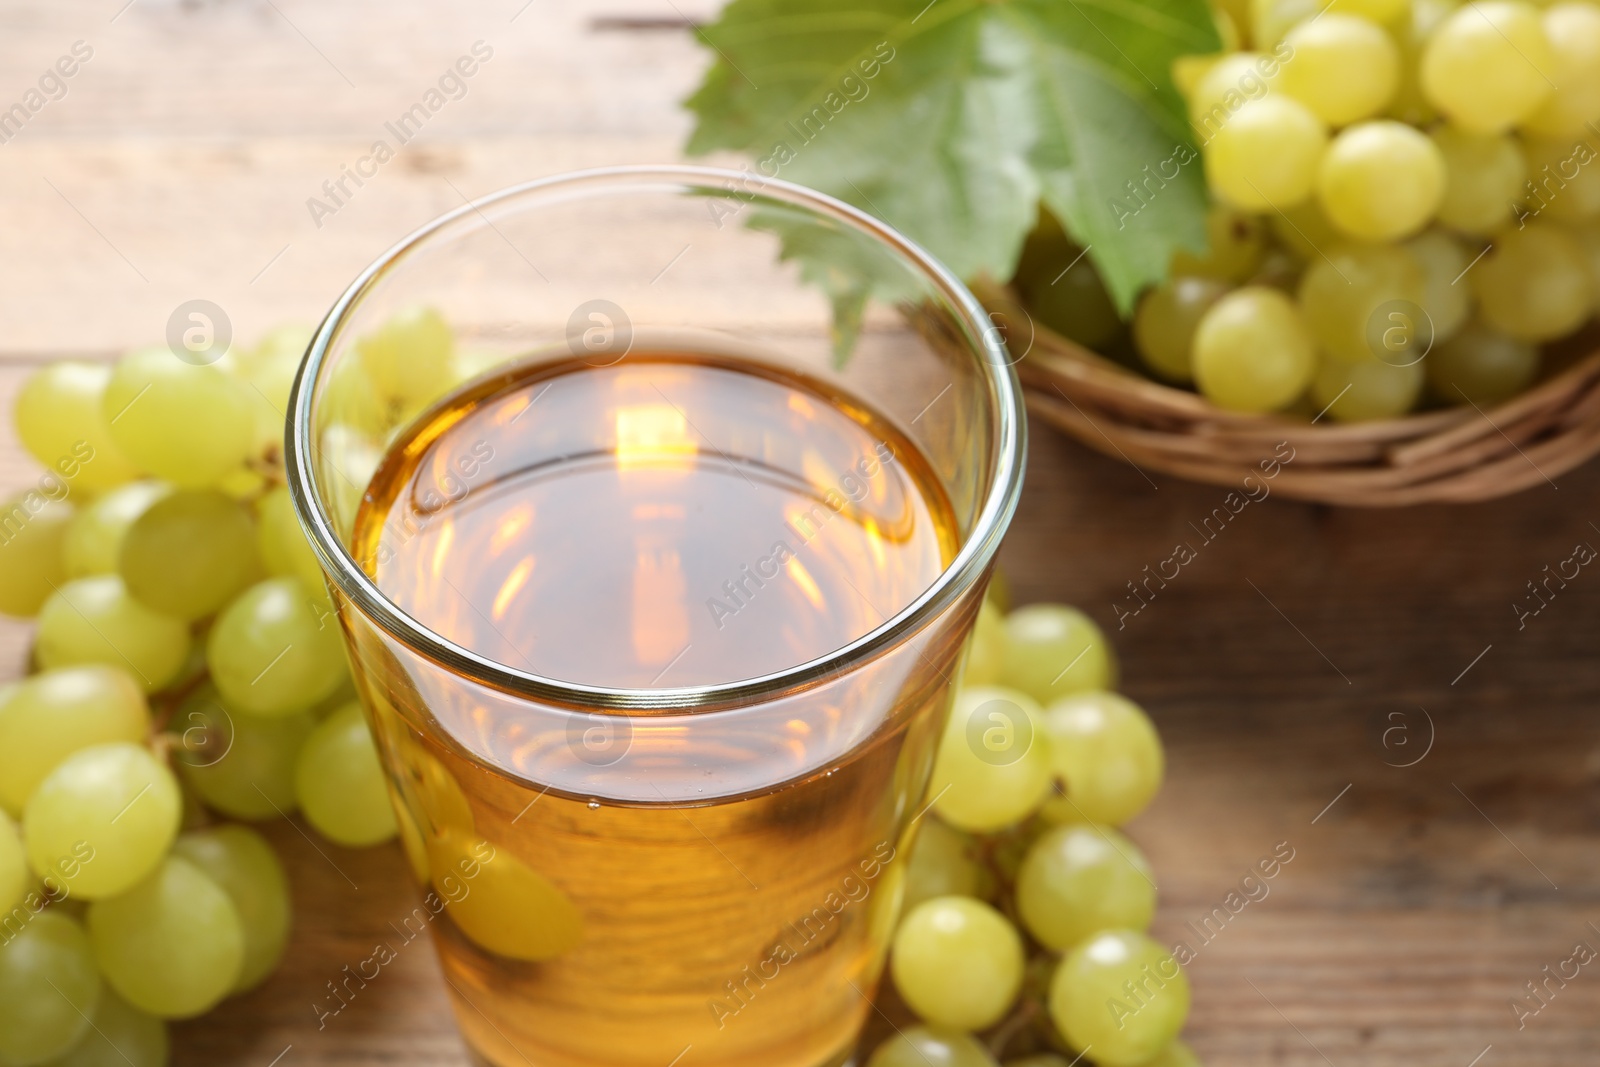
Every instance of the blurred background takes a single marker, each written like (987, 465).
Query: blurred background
(1437, 869)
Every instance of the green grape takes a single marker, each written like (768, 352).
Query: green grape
(1487, 66)
(340, 782)
(1039, 1059)
(1341, 294)
(173, 945)
(352, 400)
(1226, 85)
(1052, 650)
(1483, 178)
(58, 416)
(512, 909)
(95, 620)
(432, 794)
(14, 872)
(986, 648)
(242, 484)
(240, 861)
(54, 714)
(1382, 12)
(1326, 52)
(1587, 237)
(345, 694)
(95, 536)
(1164, 324)
(1045, 251)
(1306, 231)
(121, 1036)
(102, 819)
(957, 962)
(1187, 71)
(187, 424)
(189, 553)
(1443, 260)
(1232, 18)
(1252, 351)
(1266, 156)
(993, 767)
(1481, 366)
(48, 989)
(35, 896)
(1534, 284)
(33, 528)
(1106, 752)
(941, 865)
(409, 356)
(273, 651)
(1573, 30)
(1565, 174)
(268, 370)
(348, 459)
(1362, 392)
(999, 591)
(1380, 180)
(1071, 299)
(1079, 880)
(918, 1046)
(1122, 995)
(1235, 245)
(240, 764)
(281, 541)
(1271, 19)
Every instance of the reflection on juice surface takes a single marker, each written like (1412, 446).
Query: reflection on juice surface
(705, 887)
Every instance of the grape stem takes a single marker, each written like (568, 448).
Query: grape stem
(270, 466)
(1013, 1024)
(989, 854)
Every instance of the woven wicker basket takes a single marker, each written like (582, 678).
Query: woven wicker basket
(1450, 455)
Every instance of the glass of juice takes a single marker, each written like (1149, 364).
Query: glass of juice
(654, 552)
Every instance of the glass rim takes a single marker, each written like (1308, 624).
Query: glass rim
(954, 580)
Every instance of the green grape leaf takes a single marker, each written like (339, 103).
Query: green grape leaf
(849, 268)
(954, 120)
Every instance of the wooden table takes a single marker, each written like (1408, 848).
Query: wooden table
(1291, 667)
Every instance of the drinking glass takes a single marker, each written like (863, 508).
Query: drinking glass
(649, 875)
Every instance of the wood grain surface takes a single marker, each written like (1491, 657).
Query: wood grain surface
(1293, 666)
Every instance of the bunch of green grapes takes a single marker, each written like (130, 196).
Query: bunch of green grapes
(1406, 207)
(1023, 931)
(188, 668)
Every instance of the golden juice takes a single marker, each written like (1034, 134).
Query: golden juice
(696, 885)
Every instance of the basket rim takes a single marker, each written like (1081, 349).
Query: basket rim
(1459, 453)
(1096, 370)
